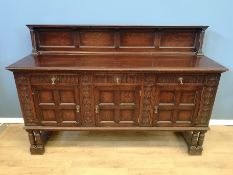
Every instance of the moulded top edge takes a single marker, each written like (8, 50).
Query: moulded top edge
(116, 26)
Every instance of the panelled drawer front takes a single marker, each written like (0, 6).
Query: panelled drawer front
(118, 78)
(181, 79)
(54, 79)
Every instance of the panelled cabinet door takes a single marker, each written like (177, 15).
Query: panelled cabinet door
(117, 105)
(57, 105)
(176, 105)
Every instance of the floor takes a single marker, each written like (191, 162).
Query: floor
(131, 153)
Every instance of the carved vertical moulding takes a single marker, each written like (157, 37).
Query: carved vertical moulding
(147, 100)
(207, 99)
(33, 39)
(25, 98)
(200, 42)
(207, 104)
(87, 108)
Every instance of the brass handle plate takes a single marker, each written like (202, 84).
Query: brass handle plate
(117, 80)
(180, 79)
(156, 109)
(53, 79)
(96, 109)
(77, 108)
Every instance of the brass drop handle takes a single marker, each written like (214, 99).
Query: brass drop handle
(77, 108)
(53, 79)
(156, 109)
(117, 80)
(181, 80)
(96, 109)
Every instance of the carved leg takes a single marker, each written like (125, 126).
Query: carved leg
(37, 140)
(194, 140)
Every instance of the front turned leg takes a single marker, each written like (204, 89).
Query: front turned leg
(194, 140)
(37, 140)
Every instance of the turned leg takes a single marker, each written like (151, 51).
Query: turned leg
(194, 140)
(37, 140)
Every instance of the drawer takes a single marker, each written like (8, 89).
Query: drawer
(54, 79)
(118, 78)
(181, 79)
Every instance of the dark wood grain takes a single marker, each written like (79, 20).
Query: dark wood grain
(117, 78)
(76, 39)
(174, 63)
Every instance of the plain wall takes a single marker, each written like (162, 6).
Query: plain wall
(15, 39)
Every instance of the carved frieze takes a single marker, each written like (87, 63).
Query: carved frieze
(212, 79)
(174, 78)
(54, 79)
(117, 78)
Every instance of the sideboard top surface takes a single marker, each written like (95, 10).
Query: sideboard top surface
(118, 62)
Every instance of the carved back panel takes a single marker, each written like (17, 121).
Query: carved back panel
(132, 39)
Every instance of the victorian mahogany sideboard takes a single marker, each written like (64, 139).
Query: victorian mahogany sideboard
(116, 78)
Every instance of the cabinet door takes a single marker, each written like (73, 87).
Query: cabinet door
(57, 105)
(117, 105)
(176, 105)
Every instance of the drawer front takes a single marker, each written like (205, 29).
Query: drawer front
(118, 78)
(54, 79)
(181, 79)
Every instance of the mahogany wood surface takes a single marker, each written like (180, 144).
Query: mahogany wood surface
(165, 63)
(117, 78)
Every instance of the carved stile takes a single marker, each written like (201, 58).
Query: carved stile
(25, 98)
(87, 101)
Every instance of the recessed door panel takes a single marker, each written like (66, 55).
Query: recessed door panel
(46, 96)
(127, 115)
(165, 116)
(68, 115)
(167, 96)
(48, 115)
(117, 105)
(185, 115)
(67, 96)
